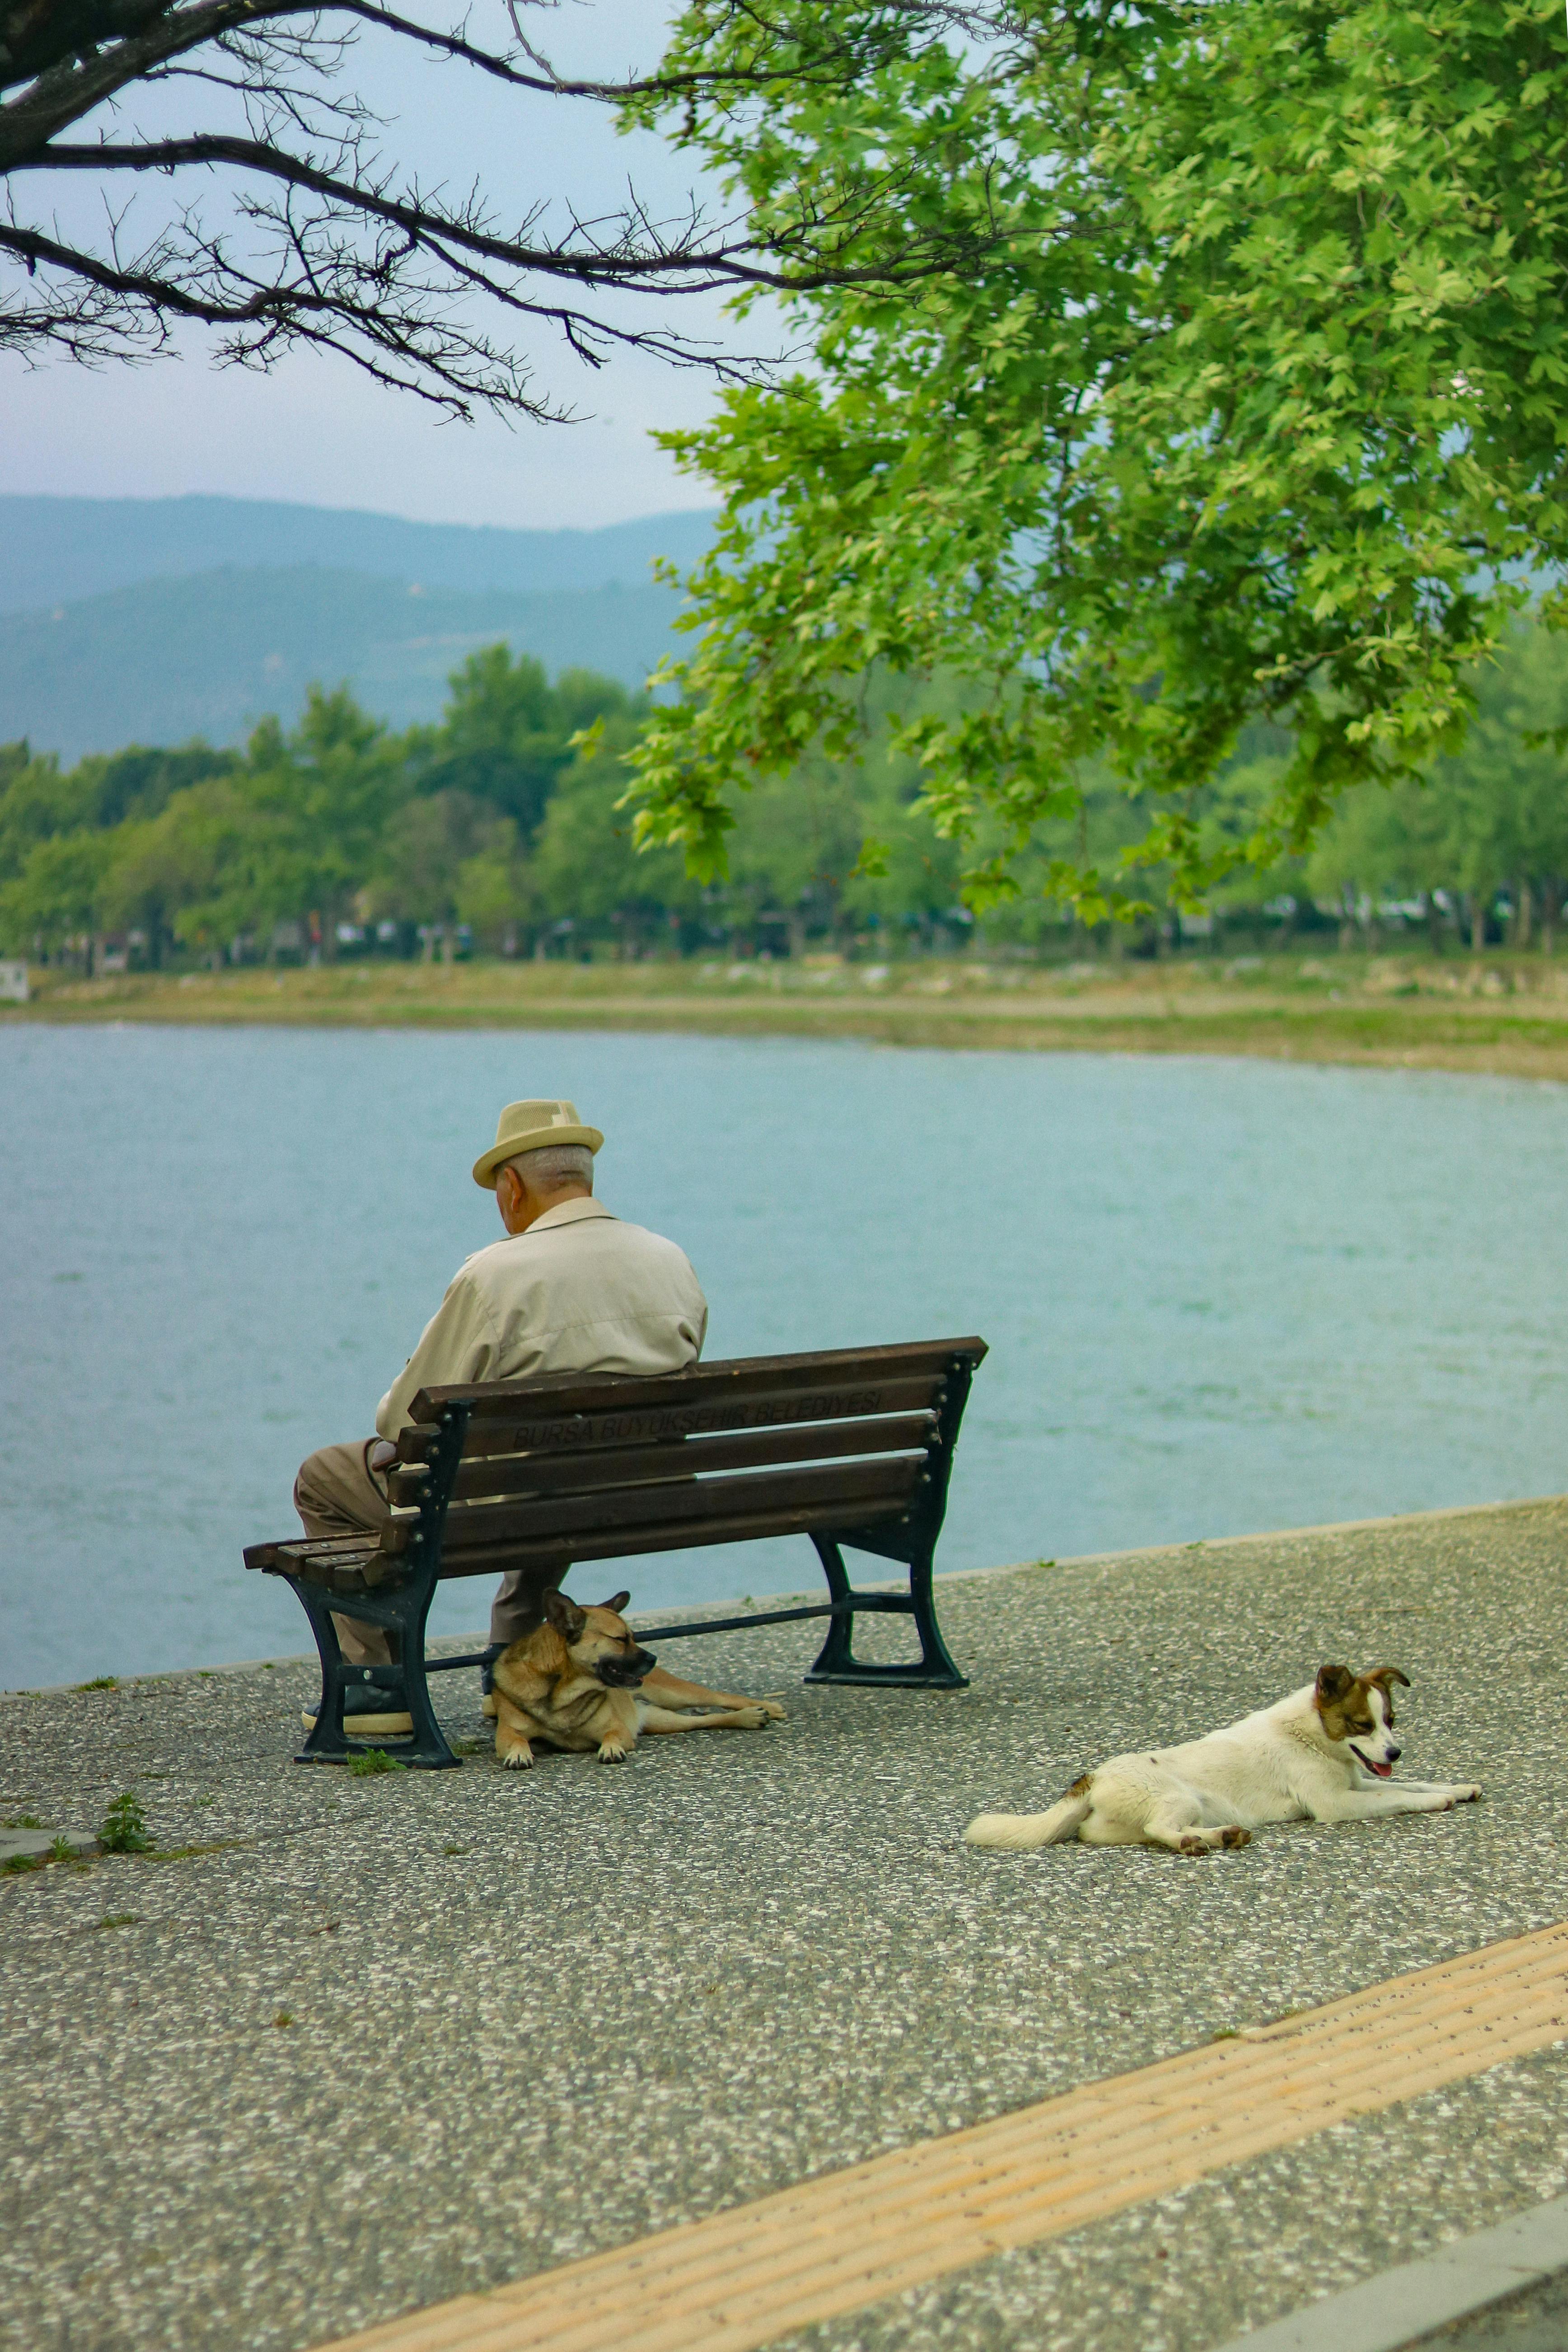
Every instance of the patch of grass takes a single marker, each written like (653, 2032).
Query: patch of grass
(124, 1829)
(374, 1760)
(283, 2018)
(16, 1864)
(24, 1822)
(1226, 2033)
(453, 1849)
(115, 1920)
(99, 1681)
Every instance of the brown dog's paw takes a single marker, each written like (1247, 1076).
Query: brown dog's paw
(772, 1710)
(1235, 1836)
(517, 1759)
(751, 1718)
(611, 1752)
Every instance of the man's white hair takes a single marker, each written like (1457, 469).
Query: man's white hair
(555, 1163)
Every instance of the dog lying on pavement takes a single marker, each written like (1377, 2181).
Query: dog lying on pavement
(580, 1681)
(1324, 1754)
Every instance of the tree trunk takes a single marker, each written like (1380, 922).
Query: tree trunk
(1478, 922)
(1434, 915)
(1522, 912)
(1551, 901)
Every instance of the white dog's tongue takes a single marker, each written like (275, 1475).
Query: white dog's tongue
(1384, 1771)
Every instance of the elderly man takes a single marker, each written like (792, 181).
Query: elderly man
(571, 1289)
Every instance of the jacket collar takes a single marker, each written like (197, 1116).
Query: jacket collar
(567, 1213)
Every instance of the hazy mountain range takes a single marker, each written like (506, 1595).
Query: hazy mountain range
(131, 620)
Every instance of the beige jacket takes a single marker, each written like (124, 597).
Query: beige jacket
(578, 1292)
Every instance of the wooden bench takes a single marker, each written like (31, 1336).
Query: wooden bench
(852, 1447)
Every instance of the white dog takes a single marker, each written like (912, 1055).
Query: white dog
(1319, 1755)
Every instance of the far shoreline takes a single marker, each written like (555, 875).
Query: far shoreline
(1505, 1016)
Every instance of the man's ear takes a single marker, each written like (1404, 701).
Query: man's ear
(616, 1603)
(564, 1614)
(1334, 1685)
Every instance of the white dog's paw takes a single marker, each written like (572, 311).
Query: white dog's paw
(1464, 1794)
(612, 1752)
(517, 1759)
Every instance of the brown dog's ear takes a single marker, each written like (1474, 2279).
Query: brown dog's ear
(1334, 1685)
(1379, 1679)
(564, 1614)
(616, 1603)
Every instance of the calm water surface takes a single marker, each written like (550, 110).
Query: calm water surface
(1220, 1295)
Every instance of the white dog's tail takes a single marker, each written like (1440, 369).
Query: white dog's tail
(1020, 1832)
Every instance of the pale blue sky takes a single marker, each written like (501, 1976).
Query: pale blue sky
(315, 429)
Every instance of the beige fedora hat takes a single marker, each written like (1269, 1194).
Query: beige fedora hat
(529, 1126)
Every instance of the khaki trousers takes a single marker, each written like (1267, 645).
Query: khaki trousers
(337, 1494)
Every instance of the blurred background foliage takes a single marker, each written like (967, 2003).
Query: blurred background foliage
(499, 831)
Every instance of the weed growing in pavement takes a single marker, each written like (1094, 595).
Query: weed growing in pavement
(62, 1850)
(374, 1760)
(283, 2018)
(16, 1864)
(100, 1682)
(124, 1827)
(24, 1822)
(115, 1920)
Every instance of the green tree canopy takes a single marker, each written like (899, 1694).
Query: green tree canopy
(1255, 414)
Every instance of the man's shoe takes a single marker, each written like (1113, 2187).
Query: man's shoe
(371, 1712)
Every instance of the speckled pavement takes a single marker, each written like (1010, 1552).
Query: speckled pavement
(392, 2038)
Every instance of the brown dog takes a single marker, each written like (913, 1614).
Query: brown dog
(580, 1681)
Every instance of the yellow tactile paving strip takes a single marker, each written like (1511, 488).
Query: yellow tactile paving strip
(749, 2275)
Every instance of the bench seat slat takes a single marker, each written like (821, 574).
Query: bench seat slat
(638, 1422)
(556, 1395)
(328, 1551)
(834, 1488)
(629, 1466)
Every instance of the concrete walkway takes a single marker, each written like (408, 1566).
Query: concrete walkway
(392, 2040)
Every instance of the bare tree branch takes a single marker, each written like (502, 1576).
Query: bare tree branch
(325, 243)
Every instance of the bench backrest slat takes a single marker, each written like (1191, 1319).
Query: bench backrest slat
(640, 1422)
(830, 1487)
(589, 1468)
(683, 1534)
(558, 1397)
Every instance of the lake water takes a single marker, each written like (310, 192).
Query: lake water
(1221, 1296)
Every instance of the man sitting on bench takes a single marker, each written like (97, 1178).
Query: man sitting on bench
(571, 1289)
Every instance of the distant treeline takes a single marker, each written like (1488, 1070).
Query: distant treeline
(497, 830)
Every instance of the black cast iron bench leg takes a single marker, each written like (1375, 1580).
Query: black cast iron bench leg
(401, 1610)
(837, 1662)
